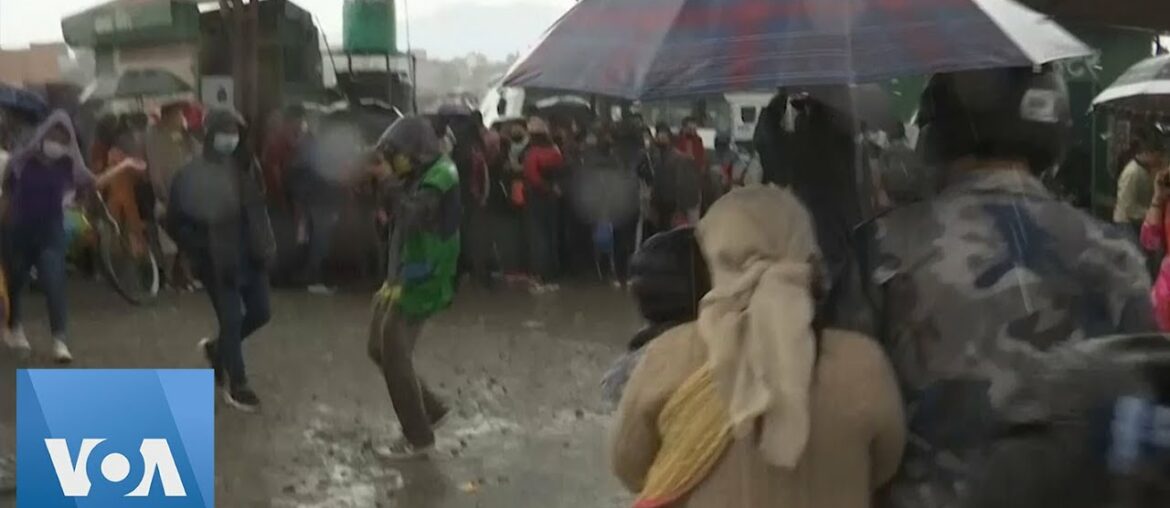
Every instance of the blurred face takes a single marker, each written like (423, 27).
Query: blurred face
(175, 120)
(1153, 159)
(662, 138)
(517, 132)
(225, 141)
(691, 127)
(56, 143)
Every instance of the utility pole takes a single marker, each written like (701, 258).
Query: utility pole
(241, 24)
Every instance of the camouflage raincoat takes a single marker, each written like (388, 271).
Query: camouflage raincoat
(977, 285)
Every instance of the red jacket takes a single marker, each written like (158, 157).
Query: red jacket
(692, 144)
(540, 162)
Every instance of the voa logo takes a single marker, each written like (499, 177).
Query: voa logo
(73, 472)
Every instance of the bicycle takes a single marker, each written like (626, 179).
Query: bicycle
(138, 279)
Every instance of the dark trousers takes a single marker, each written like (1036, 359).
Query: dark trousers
(541, 226)
(480, 251)
(322, 222)
(240, 309)
(391, 347)
(42, 246)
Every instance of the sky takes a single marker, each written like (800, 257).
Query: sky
(445, 28)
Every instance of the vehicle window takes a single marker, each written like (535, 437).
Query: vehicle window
(748, 114)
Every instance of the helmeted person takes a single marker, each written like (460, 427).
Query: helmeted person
(421, 186)
(979, 282)
(218, 217)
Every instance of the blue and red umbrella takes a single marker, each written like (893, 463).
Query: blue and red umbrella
(648, 49)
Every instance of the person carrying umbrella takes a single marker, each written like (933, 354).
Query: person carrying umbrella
(981, 280)
(421, 186)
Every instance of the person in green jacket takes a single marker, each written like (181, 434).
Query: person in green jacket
(419, 191)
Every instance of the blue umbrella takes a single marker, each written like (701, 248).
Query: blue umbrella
(651, 49)
(23, 100)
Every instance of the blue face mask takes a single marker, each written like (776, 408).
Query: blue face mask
(225, 144)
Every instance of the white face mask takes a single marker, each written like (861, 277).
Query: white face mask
(54, 150)
(225, 143)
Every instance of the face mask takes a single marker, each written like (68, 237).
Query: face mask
(54, 150)
(401, 164)
(225, 143)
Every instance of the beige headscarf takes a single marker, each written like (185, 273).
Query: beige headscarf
(757, 319)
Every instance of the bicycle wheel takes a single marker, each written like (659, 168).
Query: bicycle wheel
(135, 277)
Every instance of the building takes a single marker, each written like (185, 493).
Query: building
(38, 64)
(188, 39)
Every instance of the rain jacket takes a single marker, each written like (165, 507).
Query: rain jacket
(28, 158)
(428, 211)
(217, 213)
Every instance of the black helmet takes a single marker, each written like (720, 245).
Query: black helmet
(1005, 113)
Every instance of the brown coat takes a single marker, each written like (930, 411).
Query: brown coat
(858, 429)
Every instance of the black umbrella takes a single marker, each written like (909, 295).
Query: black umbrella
(136, 84)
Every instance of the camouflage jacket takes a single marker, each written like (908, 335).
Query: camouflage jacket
(976, 285)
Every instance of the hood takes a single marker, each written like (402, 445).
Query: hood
(217, 121)
(413, 137)
(32, 148)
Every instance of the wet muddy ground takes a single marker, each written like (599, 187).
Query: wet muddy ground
(521, 373)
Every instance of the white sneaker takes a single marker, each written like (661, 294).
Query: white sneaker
(321, 290)
(16, 339)
(403, 450)
(61, 352)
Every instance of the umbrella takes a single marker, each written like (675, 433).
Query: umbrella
(23, 101)
(1144, 88)
(651, 49)
(1148, 14)
(136, 83)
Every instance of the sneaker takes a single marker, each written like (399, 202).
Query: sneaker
(441, 419)
(242, 398)
(16, 339)
(403, 450)
(321, 290)
(61, 352)
(207, 348)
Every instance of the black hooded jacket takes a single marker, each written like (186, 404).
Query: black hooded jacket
(217, 214)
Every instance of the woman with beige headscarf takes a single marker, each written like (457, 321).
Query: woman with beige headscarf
(754, 405)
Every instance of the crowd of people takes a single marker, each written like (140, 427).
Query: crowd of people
(964, 367)
(801, 349)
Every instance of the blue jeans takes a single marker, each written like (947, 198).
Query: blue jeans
(240, 309)
(42, 246)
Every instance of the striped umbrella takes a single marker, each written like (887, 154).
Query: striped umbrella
(649, 49)
(1144, 88)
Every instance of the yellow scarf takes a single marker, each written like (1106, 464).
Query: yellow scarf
(695, 431)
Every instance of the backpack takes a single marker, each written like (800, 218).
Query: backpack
(1104, 440)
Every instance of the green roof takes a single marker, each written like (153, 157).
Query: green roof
(129, 22)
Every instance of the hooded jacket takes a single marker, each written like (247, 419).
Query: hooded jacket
(28, 158)
(427, 211)
(217, 213)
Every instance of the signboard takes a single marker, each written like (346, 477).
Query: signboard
(218, 91)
